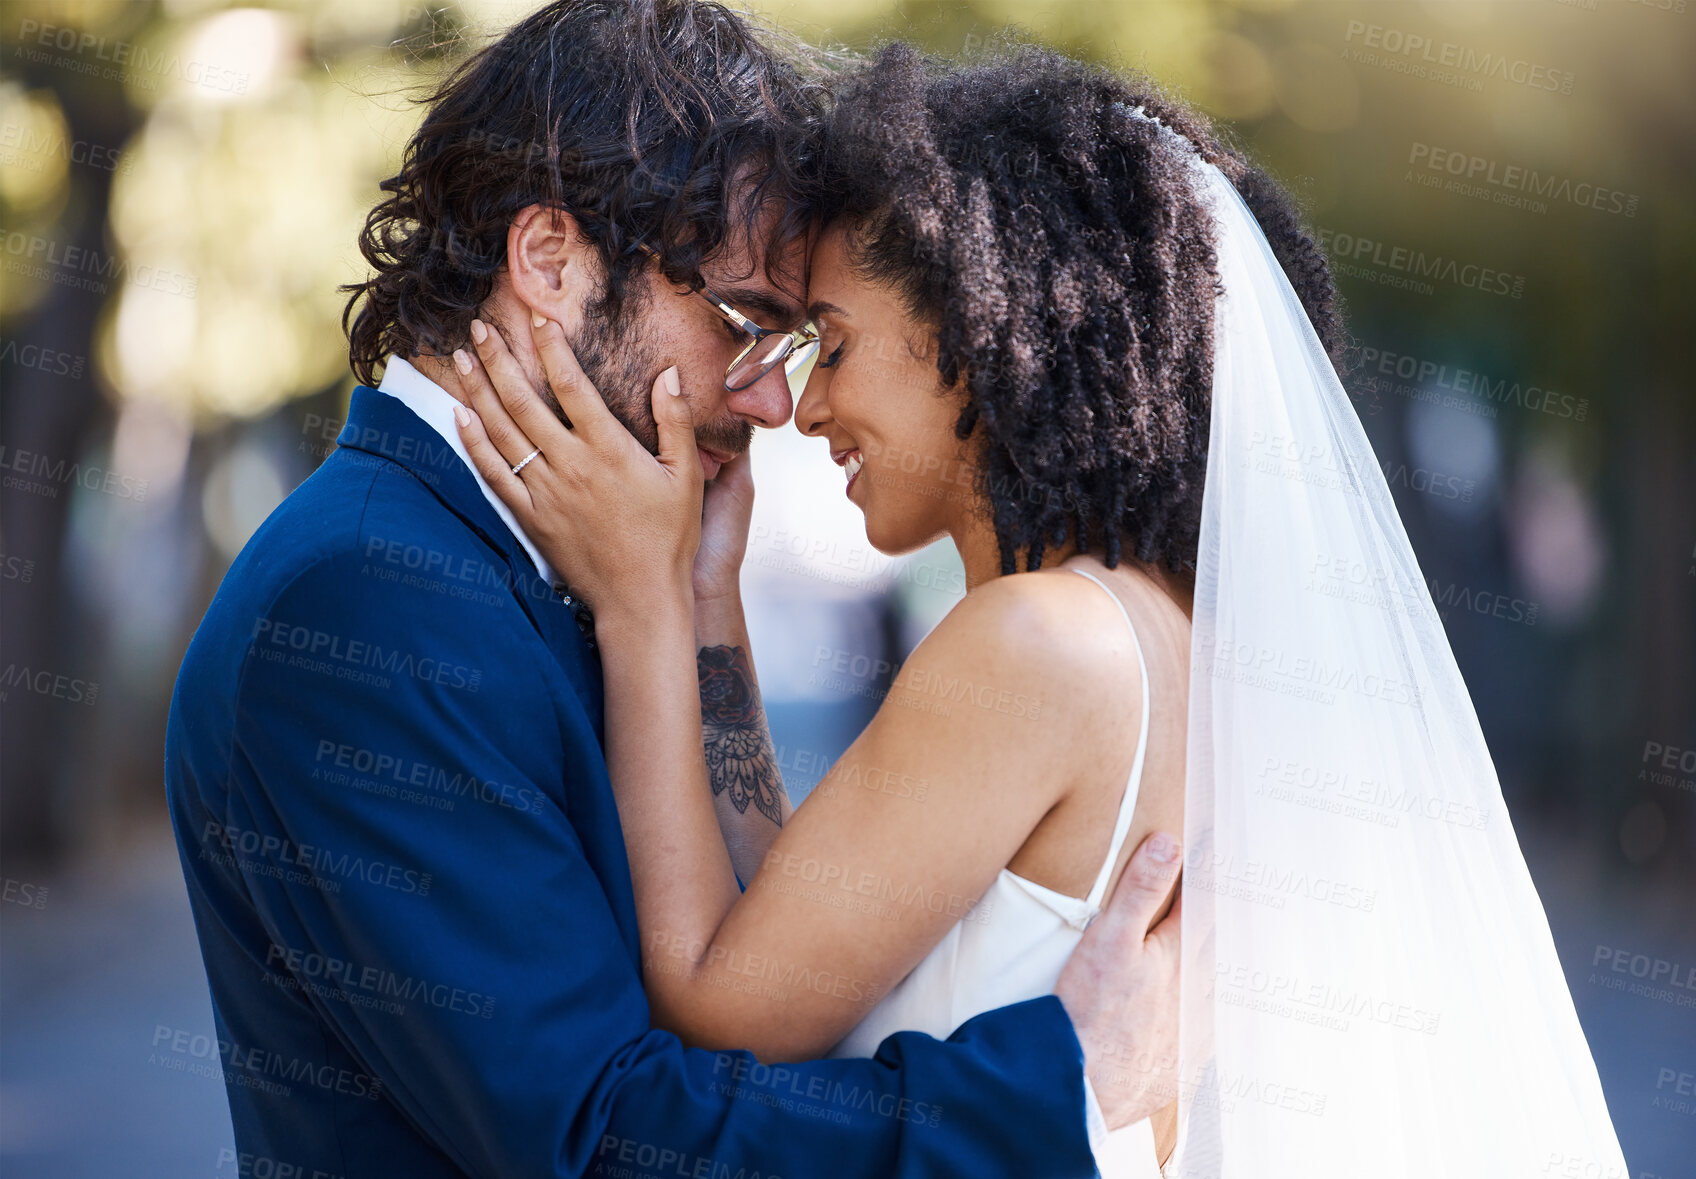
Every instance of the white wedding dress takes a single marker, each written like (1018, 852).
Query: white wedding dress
(1369, 985)
(1010, 947)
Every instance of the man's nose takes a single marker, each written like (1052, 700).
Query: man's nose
(767, 402)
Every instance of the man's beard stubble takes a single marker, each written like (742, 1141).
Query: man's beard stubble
(611, 352)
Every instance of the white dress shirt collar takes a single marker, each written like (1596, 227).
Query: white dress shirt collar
(434, 405)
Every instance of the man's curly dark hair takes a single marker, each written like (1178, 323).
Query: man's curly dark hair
(665, 122)
(1054, 243)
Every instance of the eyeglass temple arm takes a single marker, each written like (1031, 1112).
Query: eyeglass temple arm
(724, 309)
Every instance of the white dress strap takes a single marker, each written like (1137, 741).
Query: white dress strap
(1128, 803)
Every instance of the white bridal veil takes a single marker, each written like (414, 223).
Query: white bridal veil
(1370, 987)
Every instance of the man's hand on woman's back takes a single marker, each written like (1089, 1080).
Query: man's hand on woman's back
(1121, 988)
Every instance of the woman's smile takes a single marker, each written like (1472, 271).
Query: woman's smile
(850, 460)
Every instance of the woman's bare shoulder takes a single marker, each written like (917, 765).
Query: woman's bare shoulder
(1051, 635)
(1066, 644)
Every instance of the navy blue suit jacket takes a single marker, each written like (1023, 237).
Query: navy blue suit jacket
(385, 773)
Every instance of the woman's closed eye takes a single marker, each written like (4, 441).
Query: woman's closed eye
(835, 356)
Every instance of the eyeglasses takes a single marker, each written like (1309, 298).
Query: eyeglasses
(767, 347)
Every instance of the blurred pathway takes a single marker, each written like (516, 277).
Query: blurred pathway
(88, 981)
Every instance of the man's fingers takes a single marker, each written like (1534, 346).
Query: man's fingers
(579, 400)
(496, 471)
(676, 427)
(1146, 880)
(1170, 930)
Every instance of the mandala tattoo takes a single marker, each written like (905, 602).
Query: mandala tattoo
(740, 758)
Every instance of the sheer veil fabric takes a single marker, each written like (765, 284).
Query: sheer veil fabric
(1369, 982)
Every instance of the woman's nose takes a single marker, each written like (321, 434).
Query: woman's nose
(811, 413)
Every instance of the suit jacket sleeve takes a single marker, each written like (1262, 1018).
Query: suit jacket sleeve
(525, 1047)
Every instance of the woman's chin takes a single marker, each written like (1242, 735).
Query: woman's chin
(891, 538)
(878, 533)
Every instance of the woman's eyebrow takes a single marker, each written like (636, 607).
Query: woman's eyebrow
(814, 310)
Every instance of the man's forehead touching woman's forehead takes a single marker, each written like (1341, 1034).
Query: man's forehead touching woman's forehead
(761, 268)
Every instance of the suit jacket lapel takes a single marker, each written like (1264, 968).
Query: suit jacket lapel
(380, 425)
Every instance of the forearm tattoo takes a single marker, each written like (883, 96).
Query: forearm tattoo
(740, 758)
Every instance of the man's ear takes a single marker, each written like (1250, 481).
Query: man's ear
(554, 268)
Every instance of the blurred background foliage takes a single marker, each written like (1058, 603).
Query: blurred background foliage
(182, 182)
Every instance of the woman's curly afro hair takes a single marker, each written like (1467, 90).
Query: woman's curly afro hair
(1054, 243)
